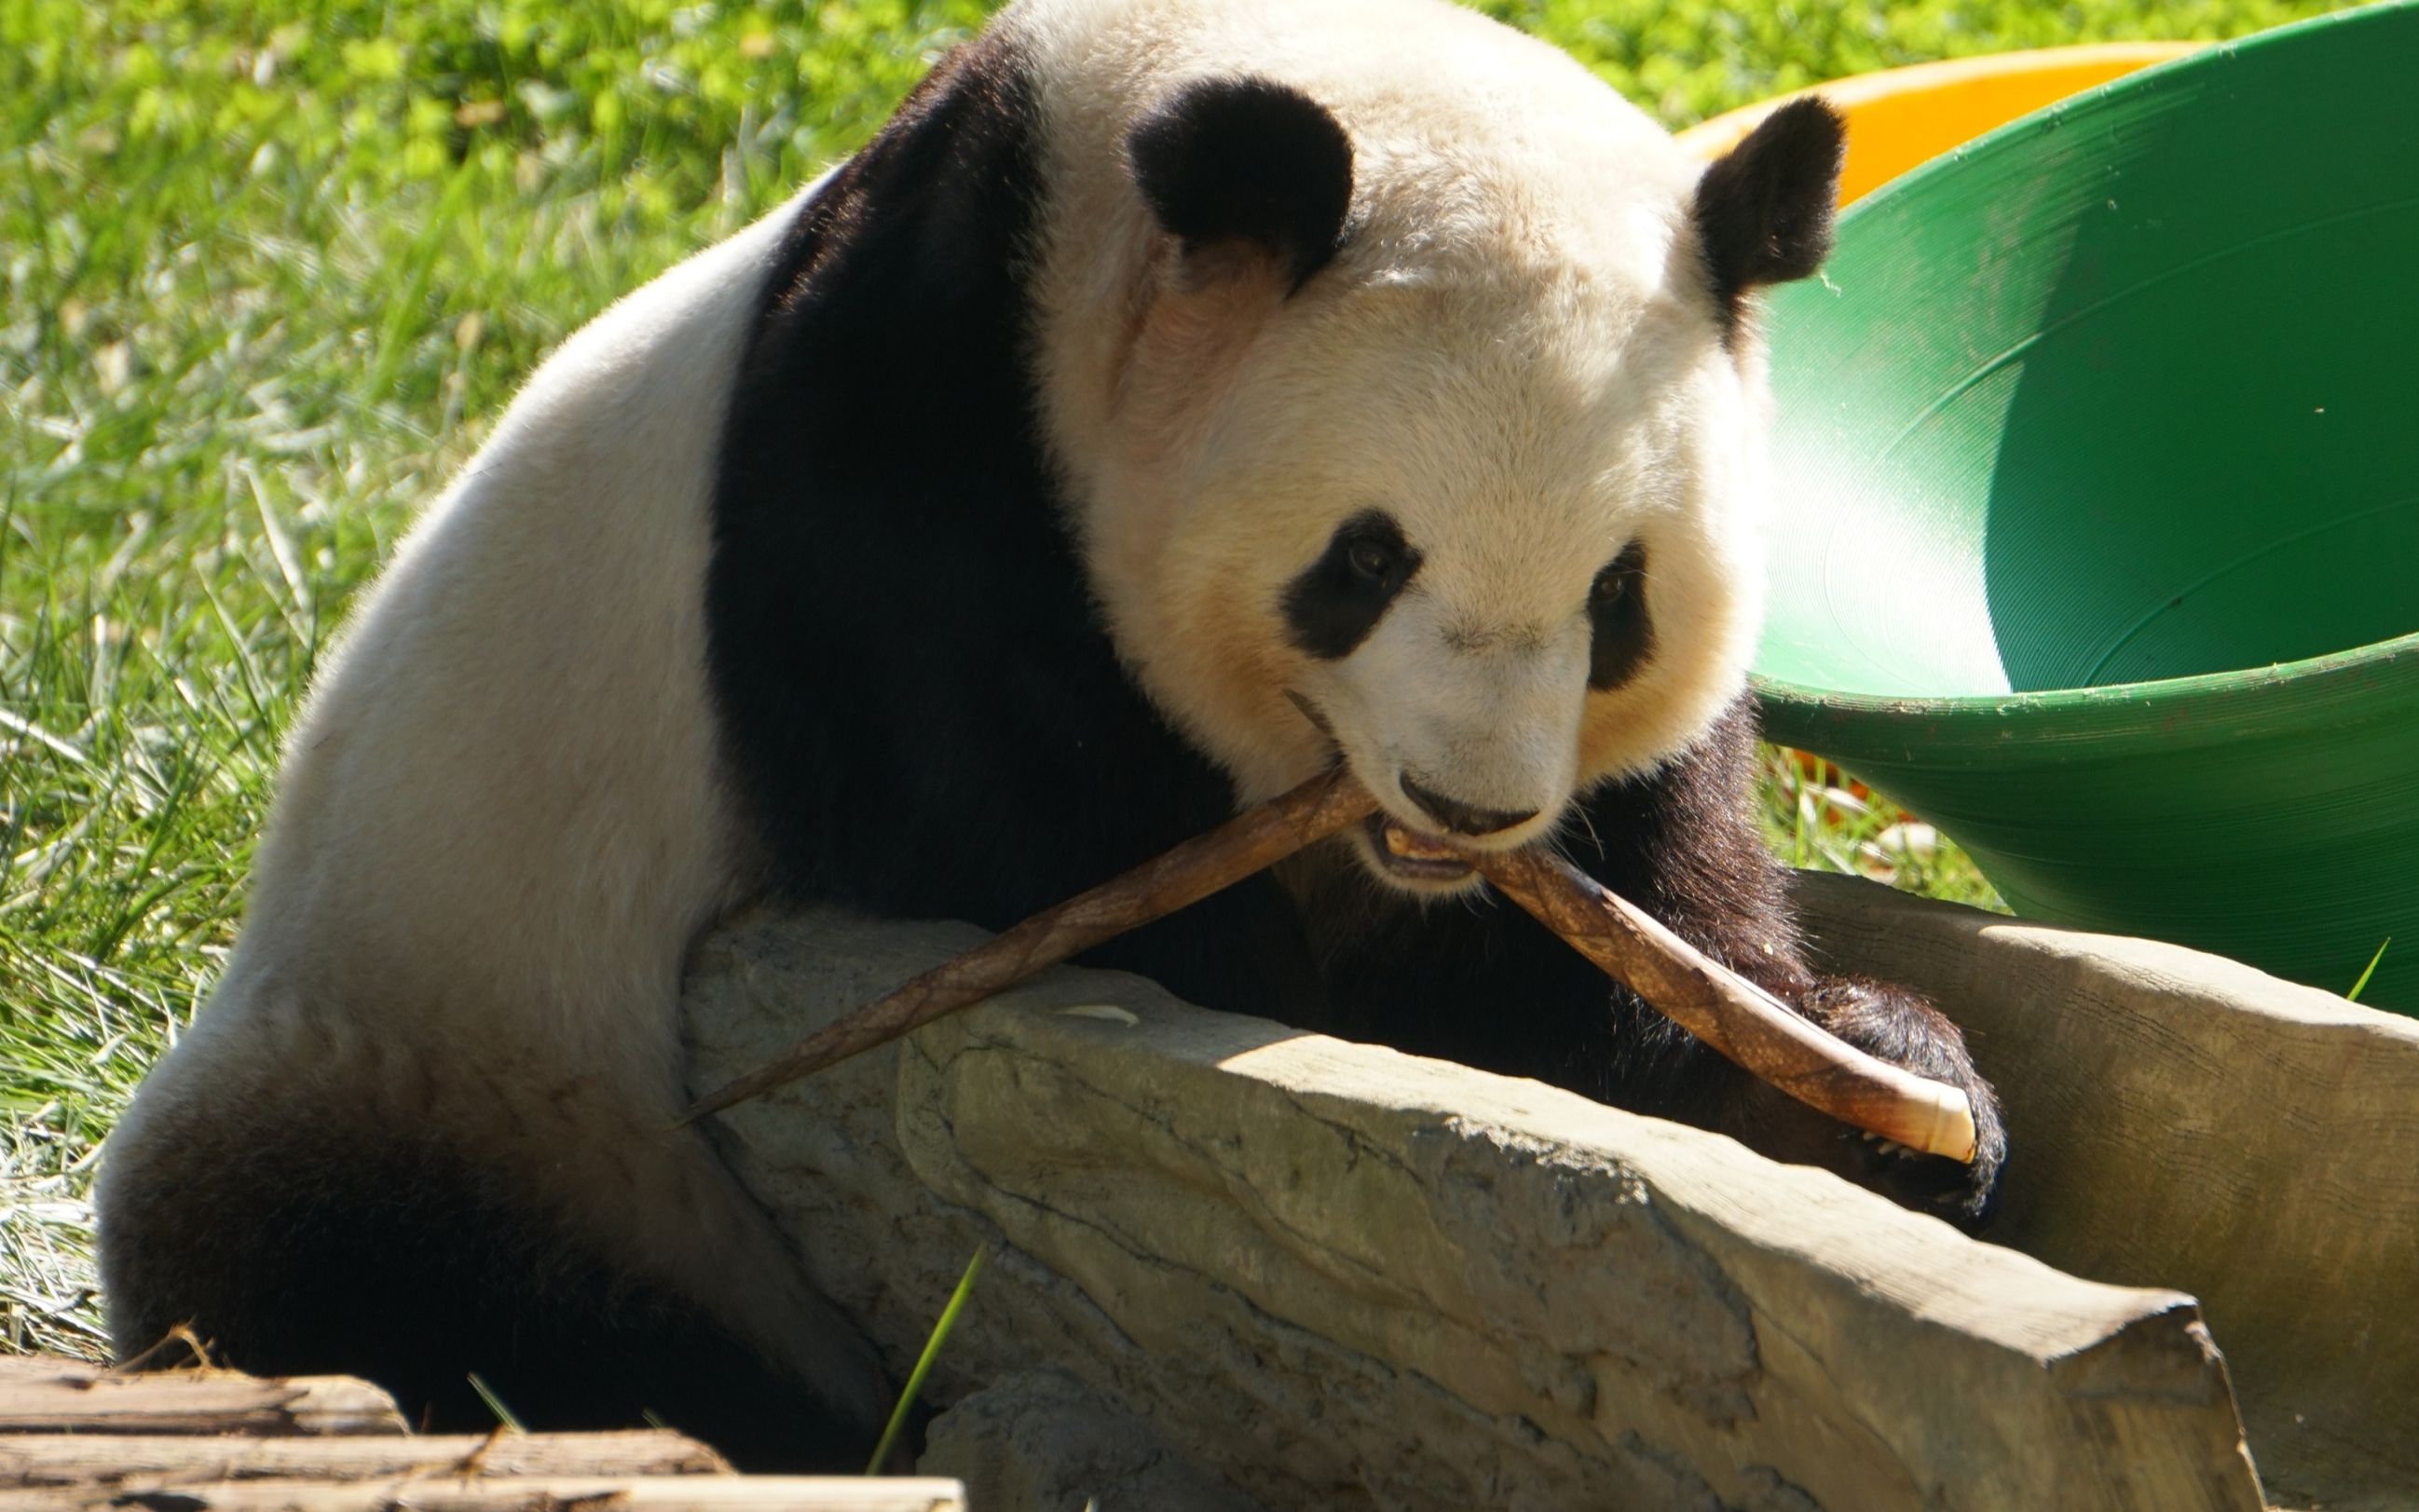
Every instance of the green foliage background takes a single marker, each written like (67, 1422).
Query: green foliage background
(270, 270)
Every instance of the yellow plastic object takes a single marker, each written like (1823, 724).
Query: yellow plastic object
(1901, 117)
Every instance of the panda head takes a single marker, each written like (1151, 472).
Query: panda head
(1435, 444)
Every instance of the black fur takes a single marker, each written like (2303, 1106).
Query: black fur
(912, 683)
(1250, 161)
(1764, 212)
(1622, 629)
(388, 1255)
(1334, 603)
(929, 722)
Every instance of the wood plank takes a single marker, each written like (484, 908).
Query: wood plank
(136, 1460)
(41, 1394)
(536, 1493)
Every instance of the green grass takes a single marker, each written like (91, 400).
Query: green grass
(934, 1343)
(269, 272)
(1818, 817)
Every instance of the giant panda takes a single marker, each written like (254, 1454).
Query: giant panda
(1173, 400)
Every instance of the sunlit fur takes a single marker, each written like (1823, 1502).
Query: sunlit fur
(1514, 354)
(502, 818)
(499, 823)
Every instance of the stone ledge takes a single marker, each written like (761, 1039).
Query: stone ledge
(1335, 1275)
(2185, 1120)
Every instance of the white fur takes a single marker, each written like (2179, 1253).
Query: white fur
(1515, 355)
(502, 821)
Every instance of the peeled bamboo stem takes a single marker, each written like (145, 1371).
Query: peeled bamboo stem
(1257, 838)
(1731, 1014)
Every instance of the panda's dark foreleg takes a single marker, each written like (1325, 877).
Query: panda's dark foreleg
(1682, 842)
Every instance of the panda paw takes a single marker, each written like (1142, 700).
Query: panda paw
(1962, 1194)
(1896, 1025)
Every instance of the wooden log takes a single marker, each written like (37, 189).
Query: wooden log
(129, 1460)
(1731, 1013)
(531, 1493)
(1258, 837)
(42, 1395)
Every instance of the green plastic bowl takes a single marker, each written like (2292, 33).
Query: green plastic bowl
(2098, 535)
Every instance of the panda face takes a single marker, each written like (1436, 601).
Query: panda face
(1414, 415)
(1482, 538)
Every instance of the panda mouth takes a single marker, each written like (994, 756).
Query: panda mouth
(1412, 859)
(1414, 856)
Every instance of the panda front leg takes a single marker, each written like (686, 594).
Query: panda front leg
(1682, 842)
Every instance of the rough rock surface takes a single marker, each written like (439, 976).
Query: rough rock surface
(2185, 1120)
(1043, 1441)
(1337, 1276)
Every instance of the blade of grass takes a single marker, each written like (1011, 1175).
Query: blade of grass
(2353, 995)
(924, 1364)
(495, 1405)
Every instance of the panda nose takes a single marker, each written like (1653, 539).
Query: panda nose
(1462, 818)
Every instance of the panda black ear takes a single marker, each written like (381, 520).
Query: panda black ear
(1763, 210)
(1249, 161)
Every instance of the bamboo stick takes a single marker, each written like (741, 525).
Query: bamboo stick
(1730, 1013)
(1258, 837)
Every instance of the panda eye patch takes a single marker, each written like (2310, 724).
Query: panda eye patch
(1334, 603)
(1620, 634)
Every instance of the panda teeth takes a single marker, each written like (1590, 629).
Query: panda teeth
(1417, 847)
